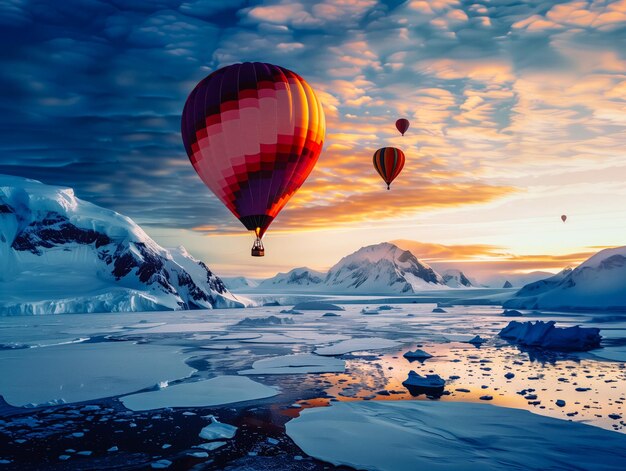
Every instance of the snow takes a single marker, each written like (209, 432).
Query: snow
(294, 364)
(357, 345)
(79, 372)
(109, 264)
(317, 306)
(217, 430)
(440, 436)
(236, 283)
(456, 279)
(547, 335)
(211, 392)
(599, 283)
(296, 278)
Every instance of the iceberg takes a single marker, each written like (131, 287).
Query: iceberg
(545, 335)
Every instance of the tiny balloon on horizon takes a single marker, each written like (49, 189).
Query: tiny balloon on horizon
(564, 217)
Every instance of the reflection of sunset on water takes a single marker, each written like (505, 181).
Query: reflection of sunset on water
(481, 371)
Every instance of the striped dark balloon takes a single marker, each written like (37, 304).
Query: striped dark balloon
(388, 162)
(253, 133)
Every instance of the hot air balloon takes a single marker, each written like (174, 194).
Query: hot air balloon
(388, 162)
(253, 133)
(563, 218)
(402, 125)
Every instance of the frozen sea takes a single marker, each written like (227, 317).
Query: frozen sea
(210, 390)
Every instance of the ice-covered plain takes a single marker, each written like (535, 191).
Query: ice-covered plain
(282, 359)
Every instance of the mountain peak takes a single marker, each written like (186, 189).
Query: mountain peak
(382, 268)
(107, 262)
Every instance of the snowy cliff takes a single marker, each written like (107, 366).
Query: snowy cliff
(59, 254)
(597, 284)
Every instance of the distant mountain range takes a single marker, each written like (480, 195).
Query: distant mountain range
(376, 269)
(61, 254)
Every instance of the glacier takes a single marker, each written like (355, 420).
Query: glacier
(60, 254)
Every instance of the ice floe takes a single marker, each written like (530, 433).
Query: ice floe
(211, 392)
(357, 345)
(293, 364)
(79, 372)
(409, 435)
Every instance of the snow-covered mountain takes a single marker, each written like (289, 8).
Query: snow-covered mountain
(516, 280)
(382, 268)
(456, 279)
(296, 278)
(60, 254)
(598, 283)
(234, 283)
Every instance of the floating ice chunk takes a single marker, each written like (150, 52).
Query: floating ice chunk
(198, 454)
(161, 464)
(262, 321)
(416, 383)
(291, 311)
(294, 364)
(450, 436)
(439, 310)
(317, 306)
(236, 336)
(546, 335)
(511, 313)
(211, 392)
(356, 345)
(82, 372)
(370, 311)
(417, 355)
(217, 430)
(465, 338)
(210, 446)
(331, 314)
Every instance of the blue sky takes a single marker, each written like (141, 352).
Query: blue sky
(517, 112)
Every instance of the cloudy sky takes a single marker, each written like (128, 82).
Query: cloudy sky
(517, 114)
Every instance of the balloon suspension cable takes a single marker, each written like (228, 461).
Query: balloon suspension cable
(257, 248)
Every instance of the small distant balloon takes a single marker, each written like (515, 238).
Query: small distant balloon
(564, 218)
(402, 125)
(388, 162)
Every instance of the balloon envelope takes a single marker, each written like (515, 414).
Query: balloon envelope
(563, 218)
(253, 133)
(388, 162)
(402, 125)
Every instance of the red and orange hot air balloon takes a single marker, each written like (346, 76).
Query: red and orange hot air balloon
(253, 133)
(388, 162)
(402, 125)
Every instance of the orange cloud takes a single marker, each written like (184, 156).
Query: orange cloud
(490, 260)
